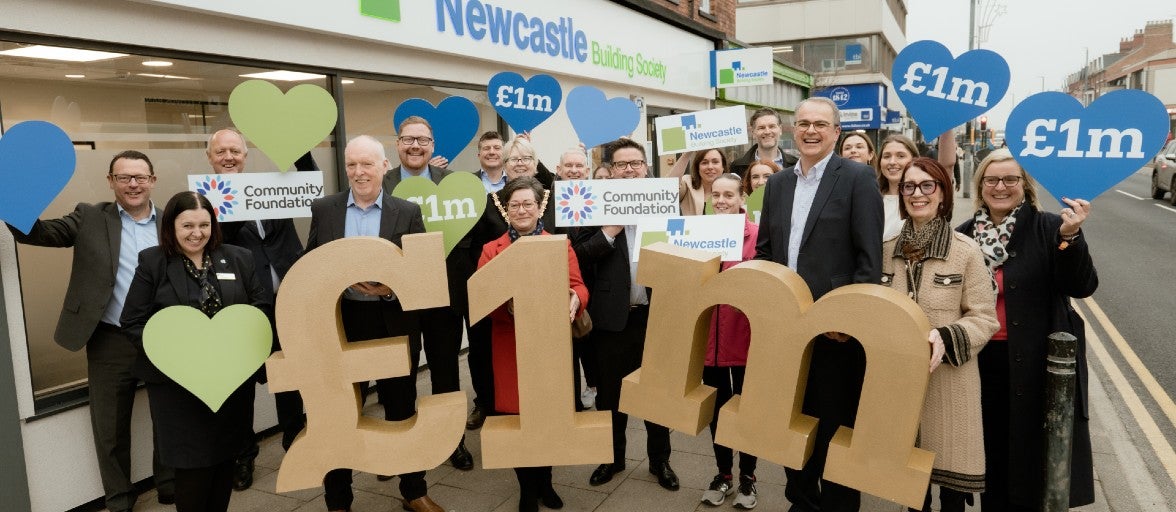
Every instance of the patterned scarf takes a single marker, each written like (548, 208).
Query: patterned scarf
(210, 301)
(992, 237)
(916, 242)
(514, 234)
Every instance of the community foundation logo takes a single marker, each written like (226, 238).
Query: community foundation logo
(577, 204)
(388, 10)
(220, 193)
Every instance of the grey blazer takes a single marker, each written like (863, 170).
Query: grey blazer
(95, 233)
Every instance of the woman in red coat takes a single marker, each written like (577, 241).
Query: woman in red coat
(526, 200)
(726, 358)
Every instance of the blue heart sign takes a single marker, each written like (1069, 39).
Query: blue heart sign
(1078, 152)
(942, 92)
(455, 122)
(598, 119)
(37, 159)
(524, 104)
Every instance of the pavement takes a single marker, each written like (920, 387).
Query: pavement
(1124, 482)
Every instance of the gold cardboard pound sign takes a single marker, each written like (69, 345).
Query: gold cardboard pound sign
(877, 456)
(533, 272)
(317, 361)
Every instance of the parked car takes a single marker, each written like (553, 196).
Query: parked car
(1164, 173)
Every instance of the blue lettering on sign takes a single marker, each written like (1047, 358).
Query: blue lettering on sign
(556, 38)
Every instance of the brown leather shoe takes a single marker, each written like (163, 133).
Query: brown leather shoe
(422, 504)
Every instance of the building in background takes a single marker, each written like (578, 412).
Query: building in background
(1145, 61)
(848, 46)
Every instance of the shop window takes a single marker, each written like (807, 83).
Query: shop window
(369, 106)
(107, 103)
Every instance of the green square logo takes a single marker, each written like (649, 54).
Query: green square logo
(383, 9)
(726, 76)
(673, 139)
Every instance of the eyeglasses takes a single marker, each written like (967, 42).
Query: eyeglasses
(409, 140)
(520, 159)
(1009, 181)
(819, 126)
(907, 188)
(141, 179)
(633, 164)
(528, 205)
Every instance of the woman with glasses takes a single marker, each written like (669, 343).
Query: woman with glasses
(191, 267)
(896, 154)
(1040, 260)
(526, 199)
(944, 273)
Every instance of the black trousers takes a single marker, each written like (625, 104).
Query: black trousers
(832, 394)
(441, 329)
(204, 489)
(364, 320)
(481, 365)
(619, 354)
(110, 355)
(727, 381)
(584, 354)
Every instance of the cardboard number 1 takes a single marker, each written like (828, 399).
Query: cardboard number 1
(878, 456)
(548, 431)
(317, 361)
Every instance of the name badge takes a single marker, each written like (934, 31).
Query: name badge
(226, 276)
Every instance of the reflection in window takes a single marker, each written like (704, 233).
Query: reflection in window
(109, 102)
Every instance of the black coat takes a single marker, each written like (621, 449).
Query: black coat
(608, 278)
(190, 435)
(1039, 280)
(740, 165)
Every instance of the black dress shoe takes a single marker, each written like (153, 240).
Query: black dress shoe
(665, 475)
(550, 499)
(383, 478)
(604, 473)
(476, 419)
(166, 498)
(461, 458)
(243, 475)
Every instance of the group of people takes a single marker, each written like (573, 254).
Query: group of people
(993, 289)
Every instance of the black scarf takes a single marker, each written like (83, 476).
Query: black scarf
(210, 301)
(514, 235)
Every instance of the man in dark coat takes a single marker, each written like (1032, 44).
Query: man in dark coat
(765, 128)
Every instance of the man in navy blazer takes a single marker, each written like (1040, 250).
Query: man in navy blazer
(107, 238)
(371, 310)
(823, 218)
(441, 327)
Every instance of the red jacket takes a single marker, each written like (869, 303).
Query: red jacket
(502, 327)
(730, 330)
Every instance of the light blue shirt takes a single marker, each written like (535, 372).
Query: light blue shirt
(492, 186)
(405, 174)
(136, 236)
(362, 222)
(802, 203)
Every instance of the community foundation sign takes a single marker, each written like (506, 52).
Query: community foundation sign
(259, 196)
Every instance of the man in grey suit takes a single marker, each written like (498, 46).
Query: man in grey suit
(107, 238)
(440, 327)
(371, 310)
(823, 218)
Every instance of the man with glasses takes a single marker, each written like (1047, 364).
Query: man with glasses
(275, 246)
(620, 313)
(823, 218)
(441, 327)
(765, 127)
(107, 238)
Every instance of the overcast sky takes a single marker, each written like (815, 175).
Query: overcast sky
(1038, 38)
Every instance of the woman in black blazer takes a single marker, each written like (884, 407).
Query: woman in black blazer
(191, 267)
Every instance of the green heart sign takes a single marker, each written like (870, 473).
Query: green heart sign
(283, 126)
(755, 204)
(209, 357)
(451, 207)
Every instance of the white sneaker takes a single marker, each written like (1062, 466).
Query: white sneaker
(720, 488)
(746, 497)
(588, 398)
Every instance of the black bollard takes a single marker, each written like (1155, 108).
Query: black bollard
(1060, 379)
